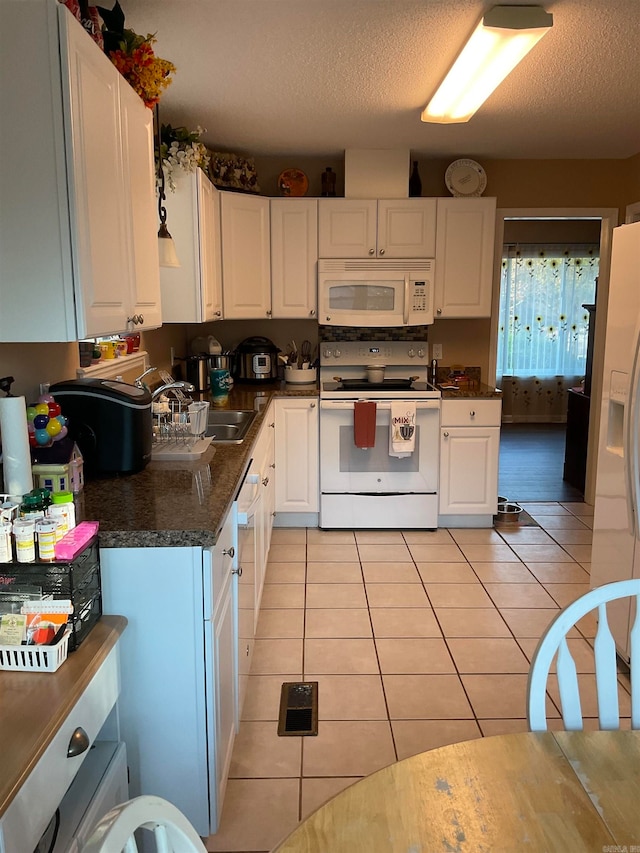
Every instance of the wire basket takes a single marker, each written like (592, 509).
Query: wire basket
(179, 423)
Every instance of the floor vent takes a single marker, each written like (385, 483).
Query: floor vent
(298, 709)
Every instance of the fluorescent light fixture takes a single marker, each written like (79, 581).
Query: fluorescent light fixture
(503, 37)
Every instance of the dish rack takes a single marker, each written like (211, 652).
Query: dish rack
(179, 427)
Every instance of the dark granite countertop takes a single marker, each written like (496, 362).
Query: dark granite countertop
(180, 504)
(469, 389)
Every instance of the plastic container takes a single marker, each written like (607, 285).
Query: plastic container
(35, 658)
(62, 502)
(295, 376)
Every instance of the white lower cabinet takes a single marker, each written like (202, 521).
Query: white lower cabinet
(297, 448)
(89, 780)
(179, 669)
(469, 454)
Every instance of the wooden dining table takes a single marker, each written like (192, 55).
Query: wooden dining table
(552, 791)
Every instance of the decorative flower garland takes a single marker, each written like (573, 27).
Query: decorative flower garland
(133, 56)
(181, 149)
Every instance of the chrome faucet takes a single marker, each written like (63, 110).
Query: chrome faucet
(183, 386)
(167, 385)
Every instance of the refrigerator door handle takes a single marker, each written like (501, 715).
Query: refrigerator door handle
(630, 448)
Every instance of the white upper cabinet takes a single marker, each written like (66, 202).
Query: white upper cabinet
(246, 266)
(383, 228)
(140, 188)
(464, 257)
(294, 257)
(77, 194)
(192, 292)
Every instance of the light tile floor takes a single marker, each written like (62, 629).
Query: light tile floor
(417, 639)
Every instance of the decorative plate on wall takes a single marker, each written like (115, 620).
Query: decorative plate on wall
(465, 178)
(293, 182)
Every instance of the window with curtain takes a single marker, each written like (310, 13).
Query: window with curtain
(543, 328)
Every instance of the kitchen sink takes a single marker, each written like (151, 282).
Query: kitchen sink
(229, 426)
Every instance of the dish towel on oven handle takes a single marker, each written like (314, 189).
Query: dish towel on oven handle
(402, 428)
(364, 424)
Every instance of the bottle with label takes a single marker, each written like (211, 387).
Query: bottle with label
(329, 183)
(24, 531)
(62, 506)
(415, 184)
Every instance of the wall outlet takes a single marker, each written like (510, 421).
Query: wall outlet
(437, 351)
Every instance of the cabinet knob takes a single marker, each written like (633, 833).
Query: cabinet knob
(472, 414)
(312, 405)
(272, 425)
(328, 319)
(438, 310)
(78, 744)
(265, 482)
(229, 552)
(273, 465)
(237, 571)
(381, 252)
(312, 313)
(446, 435)
(268, 313)
(217, 313)
(372, 251)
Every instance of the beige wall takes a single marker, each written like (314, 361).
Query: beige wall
(32, 364)
(515, 183)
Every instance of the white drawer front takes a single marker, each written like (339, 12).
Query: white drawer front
(28, 815)
(471, 412)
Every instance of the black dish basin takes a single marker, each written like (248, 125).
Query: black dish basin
(229, 426)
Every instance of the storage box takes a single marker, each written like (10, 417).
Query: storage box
(376, 173)
(35, 658)
(77, 580)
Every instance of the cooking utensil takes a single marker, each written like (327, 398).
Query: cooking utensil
(305, 354)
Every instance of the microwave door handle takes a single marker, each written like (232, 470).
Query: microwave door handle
(405, 318)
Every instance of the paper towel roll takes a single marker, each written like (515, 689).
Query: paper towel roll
(16, 457)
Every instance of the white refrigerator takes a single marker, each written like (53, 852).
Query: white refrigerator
(616, 524)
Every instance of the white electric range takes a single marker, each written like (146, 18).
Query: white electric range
(371, 487)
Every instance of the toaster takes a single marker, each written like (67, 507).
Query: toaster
(110, 421)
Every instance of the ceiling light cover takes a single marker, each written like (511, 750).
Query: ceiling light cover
(166, 248)
(501, 40)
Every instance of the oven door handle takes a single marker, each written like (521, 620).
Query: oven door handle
(405, 317)
(385, 405)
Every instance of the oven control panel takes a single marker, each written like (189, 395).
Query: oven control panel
(373, 352)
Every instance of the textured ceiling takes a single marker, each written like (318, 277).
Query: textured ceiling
(313, 77)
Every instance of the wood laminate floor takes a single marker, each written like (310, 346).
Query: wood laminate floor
(532, 462)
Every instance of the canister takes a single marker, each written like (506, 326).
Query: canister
(220, 386)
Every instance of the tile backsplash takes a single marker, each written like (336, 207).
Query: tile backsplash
(391, 333)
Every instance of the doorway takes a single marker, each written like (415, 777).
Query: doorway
(532, 456)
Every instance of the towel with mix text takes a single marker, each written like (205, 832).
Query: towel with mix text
(402, 428)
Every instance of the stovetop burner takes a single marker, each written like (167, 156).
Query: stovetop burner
(385, 385)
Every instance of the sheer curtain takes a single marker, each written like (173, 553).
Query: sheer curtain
(543, 328)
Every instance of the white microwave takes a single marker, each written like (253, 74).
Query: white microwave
(376, 292)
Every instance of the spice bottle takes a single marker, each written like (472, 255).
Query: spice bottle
(329, 182)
